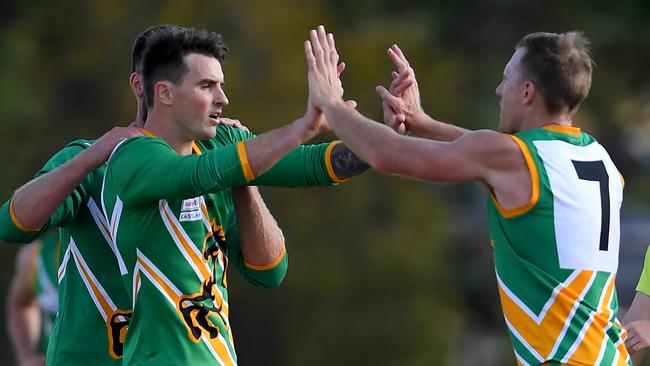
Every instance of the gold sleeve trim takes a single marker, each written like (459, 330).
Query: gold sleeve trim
(243, 159)
(328, 162)
(271, 265)
(16, 222)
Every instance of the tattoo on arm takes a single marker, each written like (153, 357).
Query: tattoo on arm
(345, 163)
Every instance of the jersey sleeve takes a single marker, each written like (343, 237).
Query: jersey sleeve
(305, 166)
(267, 276)
(145, 169)
(12, 231)
(644, 280)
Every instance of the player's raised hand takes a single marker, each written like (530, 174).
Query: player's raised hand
(401, 101)
(323, 75)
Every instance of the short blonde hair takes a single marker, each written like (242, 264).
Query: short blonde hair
(560, 65)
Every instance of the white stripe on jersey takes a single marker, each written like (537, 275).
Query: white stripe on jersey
(104, 227)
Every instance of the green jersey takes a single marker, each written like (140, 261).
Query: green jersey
(556, 257)
(91, 321)
(174, 223)
(45, 284)
(93, 306)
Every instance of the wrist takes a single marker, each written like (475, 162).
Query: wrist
(87, 161)
(418, 121)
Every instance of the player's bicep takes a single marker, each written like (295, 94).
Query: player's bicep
(465, 158)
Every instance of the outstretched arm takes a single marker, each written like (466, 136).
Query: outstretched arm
(36, 201)
(55, 195)
(488, 156)
(345, 163)
(23, 315)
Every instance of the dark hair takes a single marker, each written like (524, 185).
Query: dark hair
(140, 43)
(560, 65)
(166, 48)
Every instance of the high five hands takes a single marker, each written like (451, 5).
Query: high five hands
(324, 71)
(401, 102)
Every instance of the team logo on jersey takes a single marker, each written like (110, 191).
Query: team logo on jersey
(196, 310)
(117, 326)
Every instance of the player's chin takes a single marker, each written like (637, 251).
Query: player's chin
(208, 133)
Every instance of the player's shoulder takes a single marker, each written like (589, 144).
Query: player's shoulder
(75, 146)
(489, 139)
(138, 145)
(80, 143)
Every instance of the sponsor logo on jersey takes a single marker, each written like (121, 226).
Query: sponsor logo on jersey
(190, 216)
(191, 204)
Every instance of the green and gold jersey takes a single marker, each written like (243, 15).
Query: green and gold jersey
(174, 223)
(556, 257)
(93, 304)
(45, 283)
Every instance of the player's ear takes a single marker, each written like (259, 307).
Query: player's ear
(136, 85)
(163, 92)
(529, 92)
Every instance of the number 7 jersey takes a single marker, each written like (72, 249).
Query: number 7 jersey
(556, 257)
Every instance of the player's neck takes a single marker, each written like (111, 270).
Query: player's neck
(164, 128)
(542, 118)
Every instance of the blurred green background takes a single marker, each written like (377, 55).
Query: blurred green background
(383, 270)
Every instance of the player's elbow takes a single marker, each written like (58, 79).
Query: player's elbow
(270, 279)
(382, 162)
(268, 276)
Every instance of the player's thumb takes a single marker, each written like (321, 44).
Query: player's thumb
(351, 103)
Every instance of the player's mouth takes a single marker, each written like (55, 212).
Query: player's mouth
(214, 118)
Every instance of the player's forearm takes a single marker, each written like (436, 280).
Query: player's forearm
(262, 241)
(23, 324)
(427, 127)
(268, 148)
(36, 201)
(368, 139)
